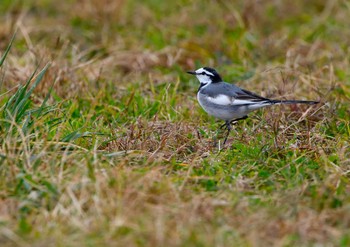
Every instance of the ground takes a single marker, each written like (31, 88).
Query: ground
(102, 141)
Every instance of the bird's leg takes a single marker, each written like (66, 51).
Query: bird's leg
(234, 121)
(221, 127)
(228, 127)
(224, 125)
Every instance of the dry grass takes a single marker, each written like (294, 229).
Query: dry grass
(111, 147)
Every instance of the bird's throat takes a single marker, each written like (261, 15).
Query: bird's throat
(202, 85)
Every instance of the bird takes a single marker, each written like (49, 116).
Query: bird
(229, 102)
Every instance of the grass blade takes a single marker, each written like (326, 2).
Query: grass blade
(2, 60)
(27, 95)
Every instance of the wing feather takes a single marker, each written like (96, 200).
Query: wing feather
(229, 94)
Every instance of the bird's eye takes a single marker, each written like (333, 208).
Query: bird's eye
(203, 73)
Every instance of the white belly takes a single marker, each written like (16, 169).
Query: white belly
(224, 112)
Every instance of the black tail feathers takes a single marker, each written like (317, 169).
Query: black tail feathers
(294, 102)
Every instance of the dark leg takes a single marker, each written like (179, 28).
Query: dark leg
(228, 127)
(234, 121)
(238, 119)
(224, 125)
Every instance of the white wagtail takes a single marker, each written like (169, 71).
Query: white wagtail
(228, 102)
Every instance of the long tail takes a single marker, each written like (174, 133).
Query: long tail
(294, 102)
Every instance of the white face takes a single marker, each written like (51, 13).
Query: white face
(203, 76)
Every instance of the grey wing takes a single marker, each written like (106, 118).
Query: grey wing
(221, 88)
(247, 95)
(232, 91)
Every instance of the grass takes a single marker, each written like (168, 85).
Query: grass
(102, 141)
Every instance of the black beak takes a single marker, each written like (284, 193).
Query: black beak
(192, 72)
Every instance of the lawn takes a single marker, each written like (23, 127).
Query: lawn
(103, 142)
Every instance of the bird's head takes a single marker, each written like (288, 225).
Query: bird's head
(206, 75)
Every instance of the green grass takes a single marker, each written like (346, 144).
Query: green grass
(102, 141)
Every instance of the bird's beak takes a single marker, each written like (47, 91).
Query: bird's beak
(192, 72)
